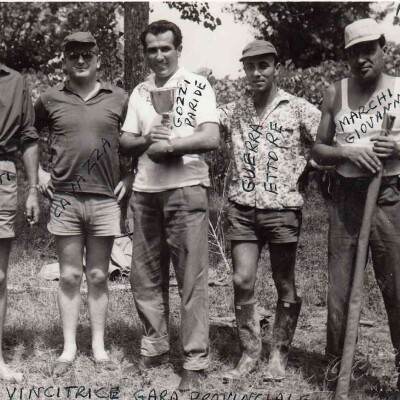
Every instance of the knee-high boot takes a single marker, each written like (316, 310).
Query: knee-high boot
(286, 317)
(248, 327)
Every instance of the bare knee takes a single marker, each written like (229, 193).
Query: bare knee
(97, 277)
(242, 281)
(70, 279)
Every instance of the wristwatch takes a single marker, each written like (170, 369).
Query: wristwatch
(170, 147)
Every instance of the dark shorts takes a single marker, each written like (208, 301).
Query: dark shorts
(8, 199)
(84, 213)
(275, 226)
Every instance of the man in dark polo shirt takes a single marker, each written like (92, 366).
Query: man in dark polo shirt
(84, 117)
(16, 132)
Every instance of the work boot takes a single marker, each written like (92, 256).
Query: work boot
(248, 327)
(284, 327)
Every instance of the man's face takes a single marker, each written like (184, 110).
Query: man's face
(81, 61)
(366, 60)
(260, 72)
(161, 54)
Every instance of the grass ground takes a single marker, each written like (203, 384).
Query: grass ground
(33, 336)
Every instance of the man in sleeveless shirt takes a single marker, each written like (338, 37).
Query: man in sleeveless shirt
(271, 133)
(352, 111)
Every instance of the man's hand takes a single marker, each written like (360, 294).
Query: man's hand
(32, 207)
(157, 151)
(385, 147)
(44, 180)
(124, 187)
(157, 134)
(363, 157)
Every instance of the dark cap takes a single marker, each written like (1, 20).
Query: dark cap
(79, 37)
(258, 47)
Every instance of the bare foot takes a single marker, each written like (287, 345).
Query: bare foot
(68, 354)
(100, 354)
(8, 375)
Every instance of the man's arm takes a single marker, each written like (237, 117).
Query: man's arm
(41, 121)
(30, 157)
(325, 153)
(205, 138)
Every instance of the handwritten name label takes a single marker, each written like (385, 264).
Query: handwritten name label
(382, 99)
(248, 180)
(66, 392)
(86, 169)
(274, 137)
(192, 103)
(4, 175)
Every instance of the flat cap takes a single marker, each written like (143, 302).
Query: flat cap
(258, 47)
(363, 30)
(80, 37)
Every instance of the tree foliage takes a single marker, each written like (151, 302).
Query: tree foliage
(306, 33)
(31, 34)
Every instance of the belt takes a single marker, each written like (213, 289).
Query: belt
(361, 184)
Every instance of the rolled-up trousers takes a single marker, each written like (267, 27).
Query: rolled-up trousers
(172, 225)
(346, 214)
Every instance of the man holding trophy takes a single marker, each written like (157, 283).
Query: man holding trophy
(170, 200)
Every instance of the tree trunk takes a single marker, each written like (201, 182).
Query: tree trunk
(136, 19)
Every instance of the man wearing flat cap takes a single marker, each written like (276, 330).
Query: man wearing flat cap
(84, 116)
(271, 133)
(16, 134)
(352, 113)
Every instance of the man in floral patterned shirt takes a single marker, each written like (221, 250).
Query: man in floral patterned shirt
(270, 133)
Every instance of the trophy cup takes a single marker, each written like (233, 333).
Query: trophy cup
(163, 100)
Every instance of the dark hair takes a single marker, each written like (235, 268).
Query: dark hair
(161, 26)
(382, 41)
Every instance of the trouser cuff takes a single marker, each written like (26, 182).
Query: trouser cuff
(154, 346)
(195, 364)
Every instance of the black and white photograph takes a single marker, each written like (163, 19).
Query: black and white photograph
(200, 200)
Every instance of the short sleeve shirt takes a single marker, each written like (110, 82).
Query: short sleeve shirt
(195, 104)
(271, 152)
(16, 113)
(84, 137)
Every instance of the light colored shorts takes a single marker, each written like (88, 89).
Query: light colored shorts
(84, 213)
(8, 199)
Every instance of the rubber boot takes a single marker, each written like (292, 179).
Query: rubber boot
(248, 327)
(286, 317)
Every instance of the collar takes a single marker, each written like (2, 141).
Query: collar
(281, 95)
(4, 70)
(180, 74)
(246, 104)
(104, 86)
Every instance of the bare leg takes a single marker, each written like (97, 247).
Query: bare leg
(70, 253)
(98, 252)
(245, 258)
(283, 260)
(6, 373)
(245, 255)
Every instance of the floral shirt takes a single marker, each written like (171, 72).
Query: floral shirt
(269, 153)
